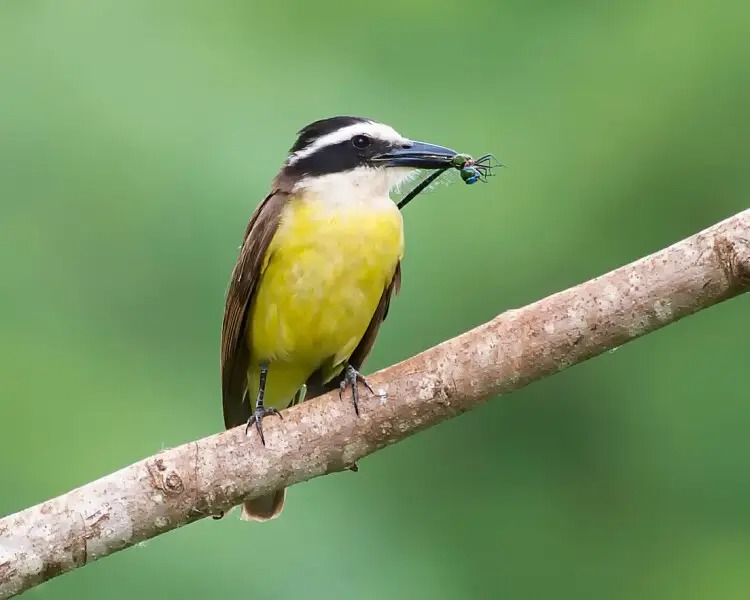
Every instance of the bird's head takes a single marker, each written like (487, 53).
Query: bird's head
(353, 154)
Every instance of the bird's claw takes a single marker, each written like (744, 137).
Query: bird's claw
(260, 413)
(351, 378)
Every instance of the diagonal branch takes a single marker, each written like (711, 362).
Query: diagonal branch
(198, 479)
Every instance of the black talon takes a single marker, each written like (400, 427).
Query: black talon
(260, 413)
(260, 410)
(351, 378)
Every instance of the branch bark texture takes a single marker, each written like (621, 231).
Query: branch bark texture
(202, 478)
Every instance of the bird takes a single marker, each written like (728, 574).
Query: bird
(319, 262)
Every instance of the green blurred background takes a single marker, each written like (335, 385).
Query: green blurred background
(135, 139)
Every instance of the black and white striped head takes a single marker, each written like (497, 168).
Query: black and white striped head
(358, 152)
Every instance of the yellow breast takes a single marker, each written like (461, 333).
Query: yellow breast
(327, 268)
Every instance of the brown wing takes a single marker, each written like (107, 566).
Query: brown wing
(316, 387)
(245, 277)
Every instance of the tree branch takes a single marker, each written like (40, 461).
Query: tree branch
(202, 478)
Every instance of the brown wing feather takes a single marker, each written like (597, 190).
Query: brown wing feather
(316, 387)
(245, 277)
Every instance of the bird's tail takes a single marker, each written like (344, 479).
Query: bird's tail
(263, 508)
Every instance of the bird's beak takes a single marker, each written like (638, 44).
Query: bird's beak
(417, 155)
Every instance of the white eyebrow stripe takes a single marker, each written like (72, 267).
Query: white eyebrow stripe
(371, 128)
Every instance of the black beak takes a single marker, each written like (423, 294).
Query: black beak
(417, 155)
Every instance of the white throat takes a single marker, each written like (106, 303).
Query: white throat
(363, 185)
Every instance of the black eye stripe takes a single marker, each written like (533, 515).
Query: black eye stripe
(337, 158)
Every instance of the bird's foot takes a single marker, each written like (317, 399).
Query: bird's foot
(260, 413)
(351, 378)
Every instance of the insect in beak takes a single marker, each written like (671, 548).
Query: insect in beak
(471, 171)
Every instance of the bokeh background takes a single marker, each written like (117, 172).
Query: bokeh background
(135, 140)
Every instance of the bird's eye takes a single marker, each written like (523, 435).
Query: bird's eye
(361, 141)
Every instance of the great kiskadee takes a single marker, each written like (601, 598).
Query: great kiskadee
(314, 277)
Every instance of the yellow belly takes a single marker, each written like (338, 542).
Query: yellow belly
(326, 271)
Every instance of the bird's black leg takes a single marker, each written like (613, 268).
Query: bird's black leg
(260, 410)
(351, 378)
